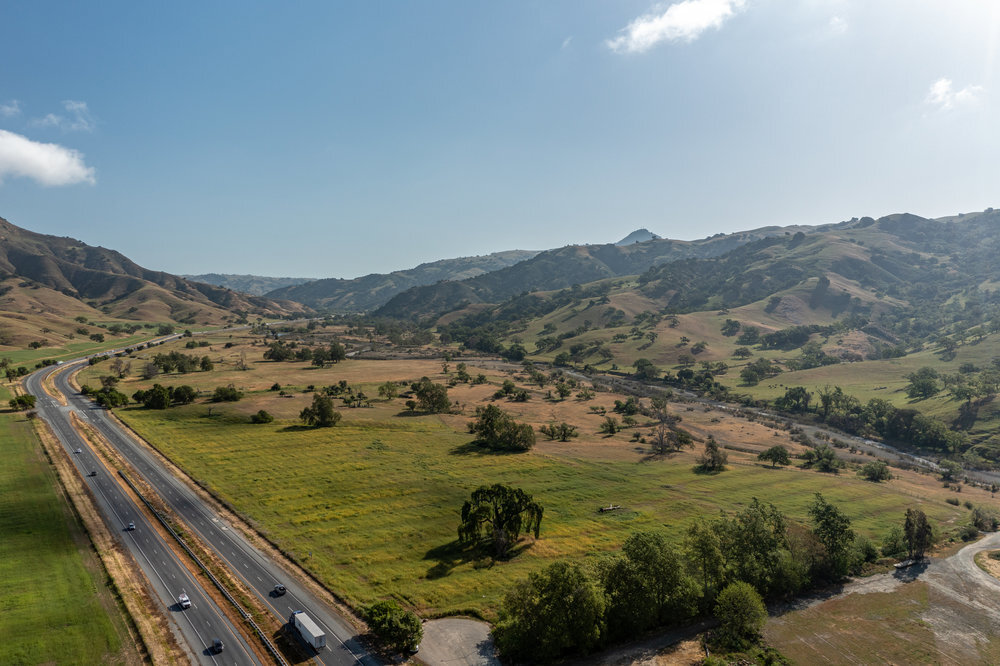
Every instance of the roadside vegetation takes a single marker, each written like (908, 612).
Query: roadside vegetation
(57, 605)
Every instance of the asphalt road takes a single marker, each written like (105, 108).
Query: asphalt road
(168, 577)
(259, 572)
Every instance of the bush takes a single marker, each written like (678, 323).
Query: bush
(496, 429)
(261, 417)
(953, 501)
(226, 394)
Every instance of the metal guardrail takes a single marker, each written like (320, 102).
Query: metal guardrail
(215, 581)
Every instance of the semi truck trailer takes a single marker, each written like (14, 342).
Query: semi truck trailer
(309, 630)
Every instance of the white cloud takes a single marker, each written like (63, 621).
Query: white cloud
(79, 119)
(10, 109)
(943, 95)
(680, 22)
(47, 163)
(567, 41)
(838, 25)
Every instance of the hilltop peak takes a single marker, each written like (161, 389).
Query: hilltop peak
(638, 236)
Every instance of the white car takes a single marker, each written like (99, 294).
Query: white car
(78, 451)
(184, 601)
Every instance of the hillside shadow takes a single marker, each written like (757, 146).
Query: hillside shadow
(297, 428)
(474, 449)
(700, 469)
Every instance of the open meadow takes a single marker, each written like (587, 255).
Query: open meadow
(371, 506)
(56, 604)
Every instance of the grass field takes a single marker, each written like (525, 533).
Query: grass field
(372, 506)
(55, 606)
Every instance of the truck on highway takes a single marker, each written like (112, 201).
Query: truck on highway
(309, 630)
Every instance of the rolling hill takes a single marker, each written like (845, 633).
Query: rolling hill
(255, 285)
(372, 291)
(564, 267)
(47, 281)
(864, 305)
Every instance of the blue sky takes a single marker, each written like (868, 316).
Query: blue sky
(330, 139)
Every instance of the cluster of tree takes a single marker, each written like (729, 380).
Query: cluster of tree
(319, 356)
(512, 392)
(320, 414)
(228, 393)
(561, 431)
(724, 566)
(431, 397)
(182, 363)
(754, 372)
(161, 397)
(496, 429)
(876, 418)
(22, 402)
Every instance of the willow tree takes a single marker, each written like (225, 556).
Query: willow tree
(499, 513)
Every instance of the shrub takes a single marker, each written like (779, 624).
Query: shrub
(261, 417)
(226, 394)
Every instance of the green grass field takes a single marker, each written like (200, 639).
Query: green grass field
(372, 506)
(51, 607)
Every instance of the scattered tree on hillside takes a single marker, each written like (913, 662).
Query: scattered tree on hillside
(431, 397)
(950, 470)
(499, 513)
(823, 459)
(876, 471)
(261, 416)
(703, 548)
(833, 529)
(388, 390)
(776, 455)
(496, 429)
(917, 532)
(713, 459)
(923, 383)
(561, 431)
(227, 393)
(321, 413)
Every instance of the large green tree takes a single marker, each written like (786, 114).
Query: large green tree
(556, 611)
(431, 397)
(918, 533)
(833, 529)
(398, 628)
(499, 514)
(496, 429)
(321, 413)
(741, 614)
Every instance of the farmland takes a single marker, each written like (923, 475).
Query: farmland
(371, 506)
(56, 605)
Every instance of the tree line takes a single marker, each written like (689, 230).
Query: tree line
(570, 608)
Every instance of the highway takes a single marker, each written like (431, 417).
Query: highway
(168, 577)
(257, 571)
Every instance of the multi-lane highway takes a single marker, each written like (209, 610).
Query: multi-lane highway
(258, 572)
(201, 623)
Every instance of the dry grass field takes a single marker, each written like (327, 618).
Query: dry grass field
(372, 505)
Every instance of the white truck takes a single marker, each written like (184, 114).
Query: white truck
(310, 631)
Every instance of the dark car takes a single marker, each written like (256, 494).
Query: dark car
(279, 590)
(217, 646)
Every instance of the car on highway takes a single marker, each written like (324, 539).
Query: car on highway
(78, 450)
(217, 646)
(184, 601)
(131, 526)
(279, 590)
(92, 473)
